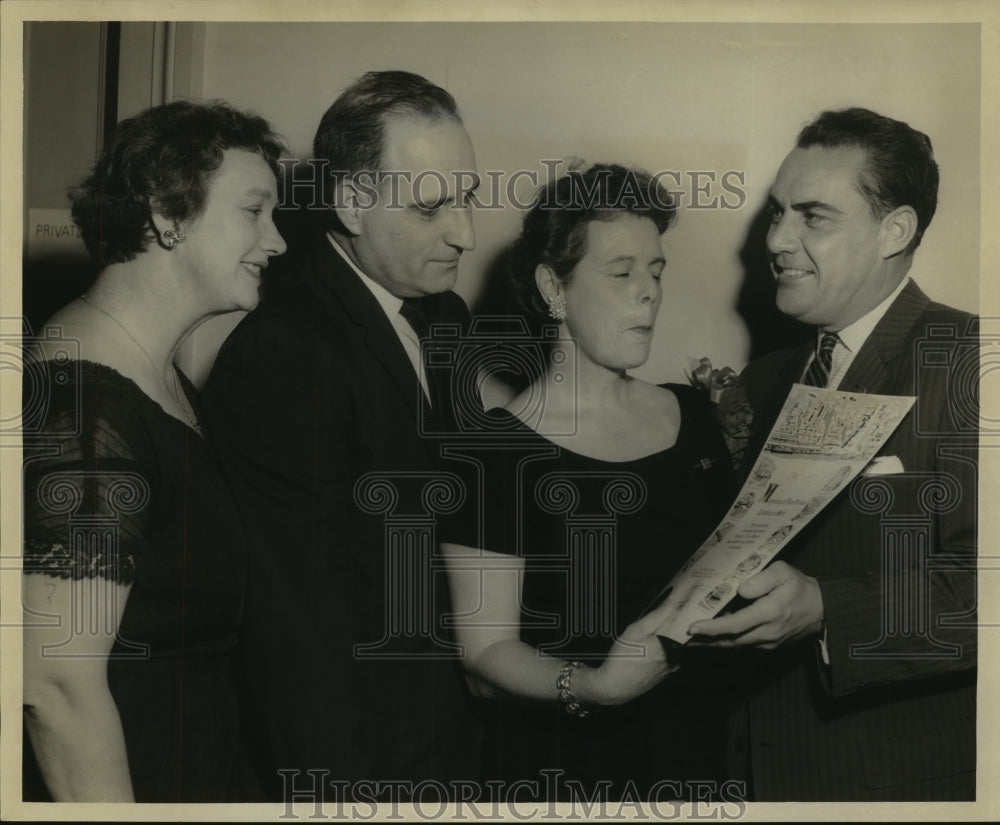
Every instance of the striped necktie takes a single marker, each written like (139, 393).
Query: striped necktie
(819, 370)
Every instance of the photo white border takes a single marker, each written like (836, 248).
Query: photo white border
(14, 12)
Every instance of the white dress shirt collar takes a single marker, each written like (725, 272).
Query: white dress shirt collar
(390, 303)
(852, 337)
(390, 306)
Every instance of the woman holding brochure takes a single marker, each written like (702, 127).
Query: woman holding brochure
(580, 508)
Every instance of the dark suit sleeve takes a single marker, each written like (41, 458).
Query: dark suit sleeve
(892, 613)
(910, 613)
(279, 410)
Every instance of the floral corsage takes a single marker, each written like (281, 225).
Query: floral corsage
(730, 407)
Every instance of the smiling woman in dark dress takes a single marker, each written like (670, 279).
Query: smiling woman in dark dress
(134, 567)
(592, 490)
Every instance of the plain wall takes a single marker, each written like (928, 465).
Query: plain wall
(62, 79)
(681, 97)
(63, 122)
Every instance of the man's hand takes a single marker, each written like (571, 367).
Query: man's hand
(787, 606)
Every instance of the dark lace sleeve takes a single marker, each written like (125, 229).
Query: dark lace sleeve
(86, 498)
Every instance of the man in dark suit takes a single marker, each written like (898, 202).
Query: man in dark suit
(326, 421)
(865, 632)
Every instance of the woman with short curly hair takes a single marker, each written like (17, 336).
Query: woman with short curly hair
(133, 563)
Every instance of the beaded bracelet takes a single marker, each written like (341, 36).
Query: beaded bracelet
(565, 688)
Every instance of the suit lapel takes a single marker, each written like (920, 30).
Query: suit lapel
(791, 371)
(344, 286)
(872, 366)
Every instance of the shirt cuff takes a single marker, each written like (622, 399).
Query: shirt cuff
(824, 651)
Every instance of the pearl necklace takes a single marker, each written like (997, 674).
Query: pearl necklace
(189, 418)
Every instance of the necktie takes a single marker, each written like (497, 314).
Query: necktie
(415, 317)
(414, 314)
(819, 370)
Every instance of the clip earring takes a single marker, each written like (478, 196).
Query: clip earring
(557, 307)
(173, 236)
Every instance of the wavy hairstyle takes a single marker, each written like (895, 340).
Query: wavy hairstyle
(900, 169)
(554, 232)
(162, 160)
(351, 134)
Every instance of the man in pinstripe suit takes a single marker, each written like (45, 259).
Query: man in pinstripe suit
(862, 639)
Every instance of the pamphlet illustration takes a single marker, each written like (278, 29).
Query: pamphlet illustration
(821, 440)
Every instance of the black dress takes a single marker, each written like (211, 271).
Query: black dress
(600, 541)
(118, 491)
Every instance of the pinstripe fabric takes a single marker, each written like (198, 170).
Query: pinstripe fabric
(893, 716)
(818, 373)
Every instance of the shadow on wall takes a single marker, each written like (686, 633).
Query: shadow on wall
(522, 334)
(298, 218)
(769, 329)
